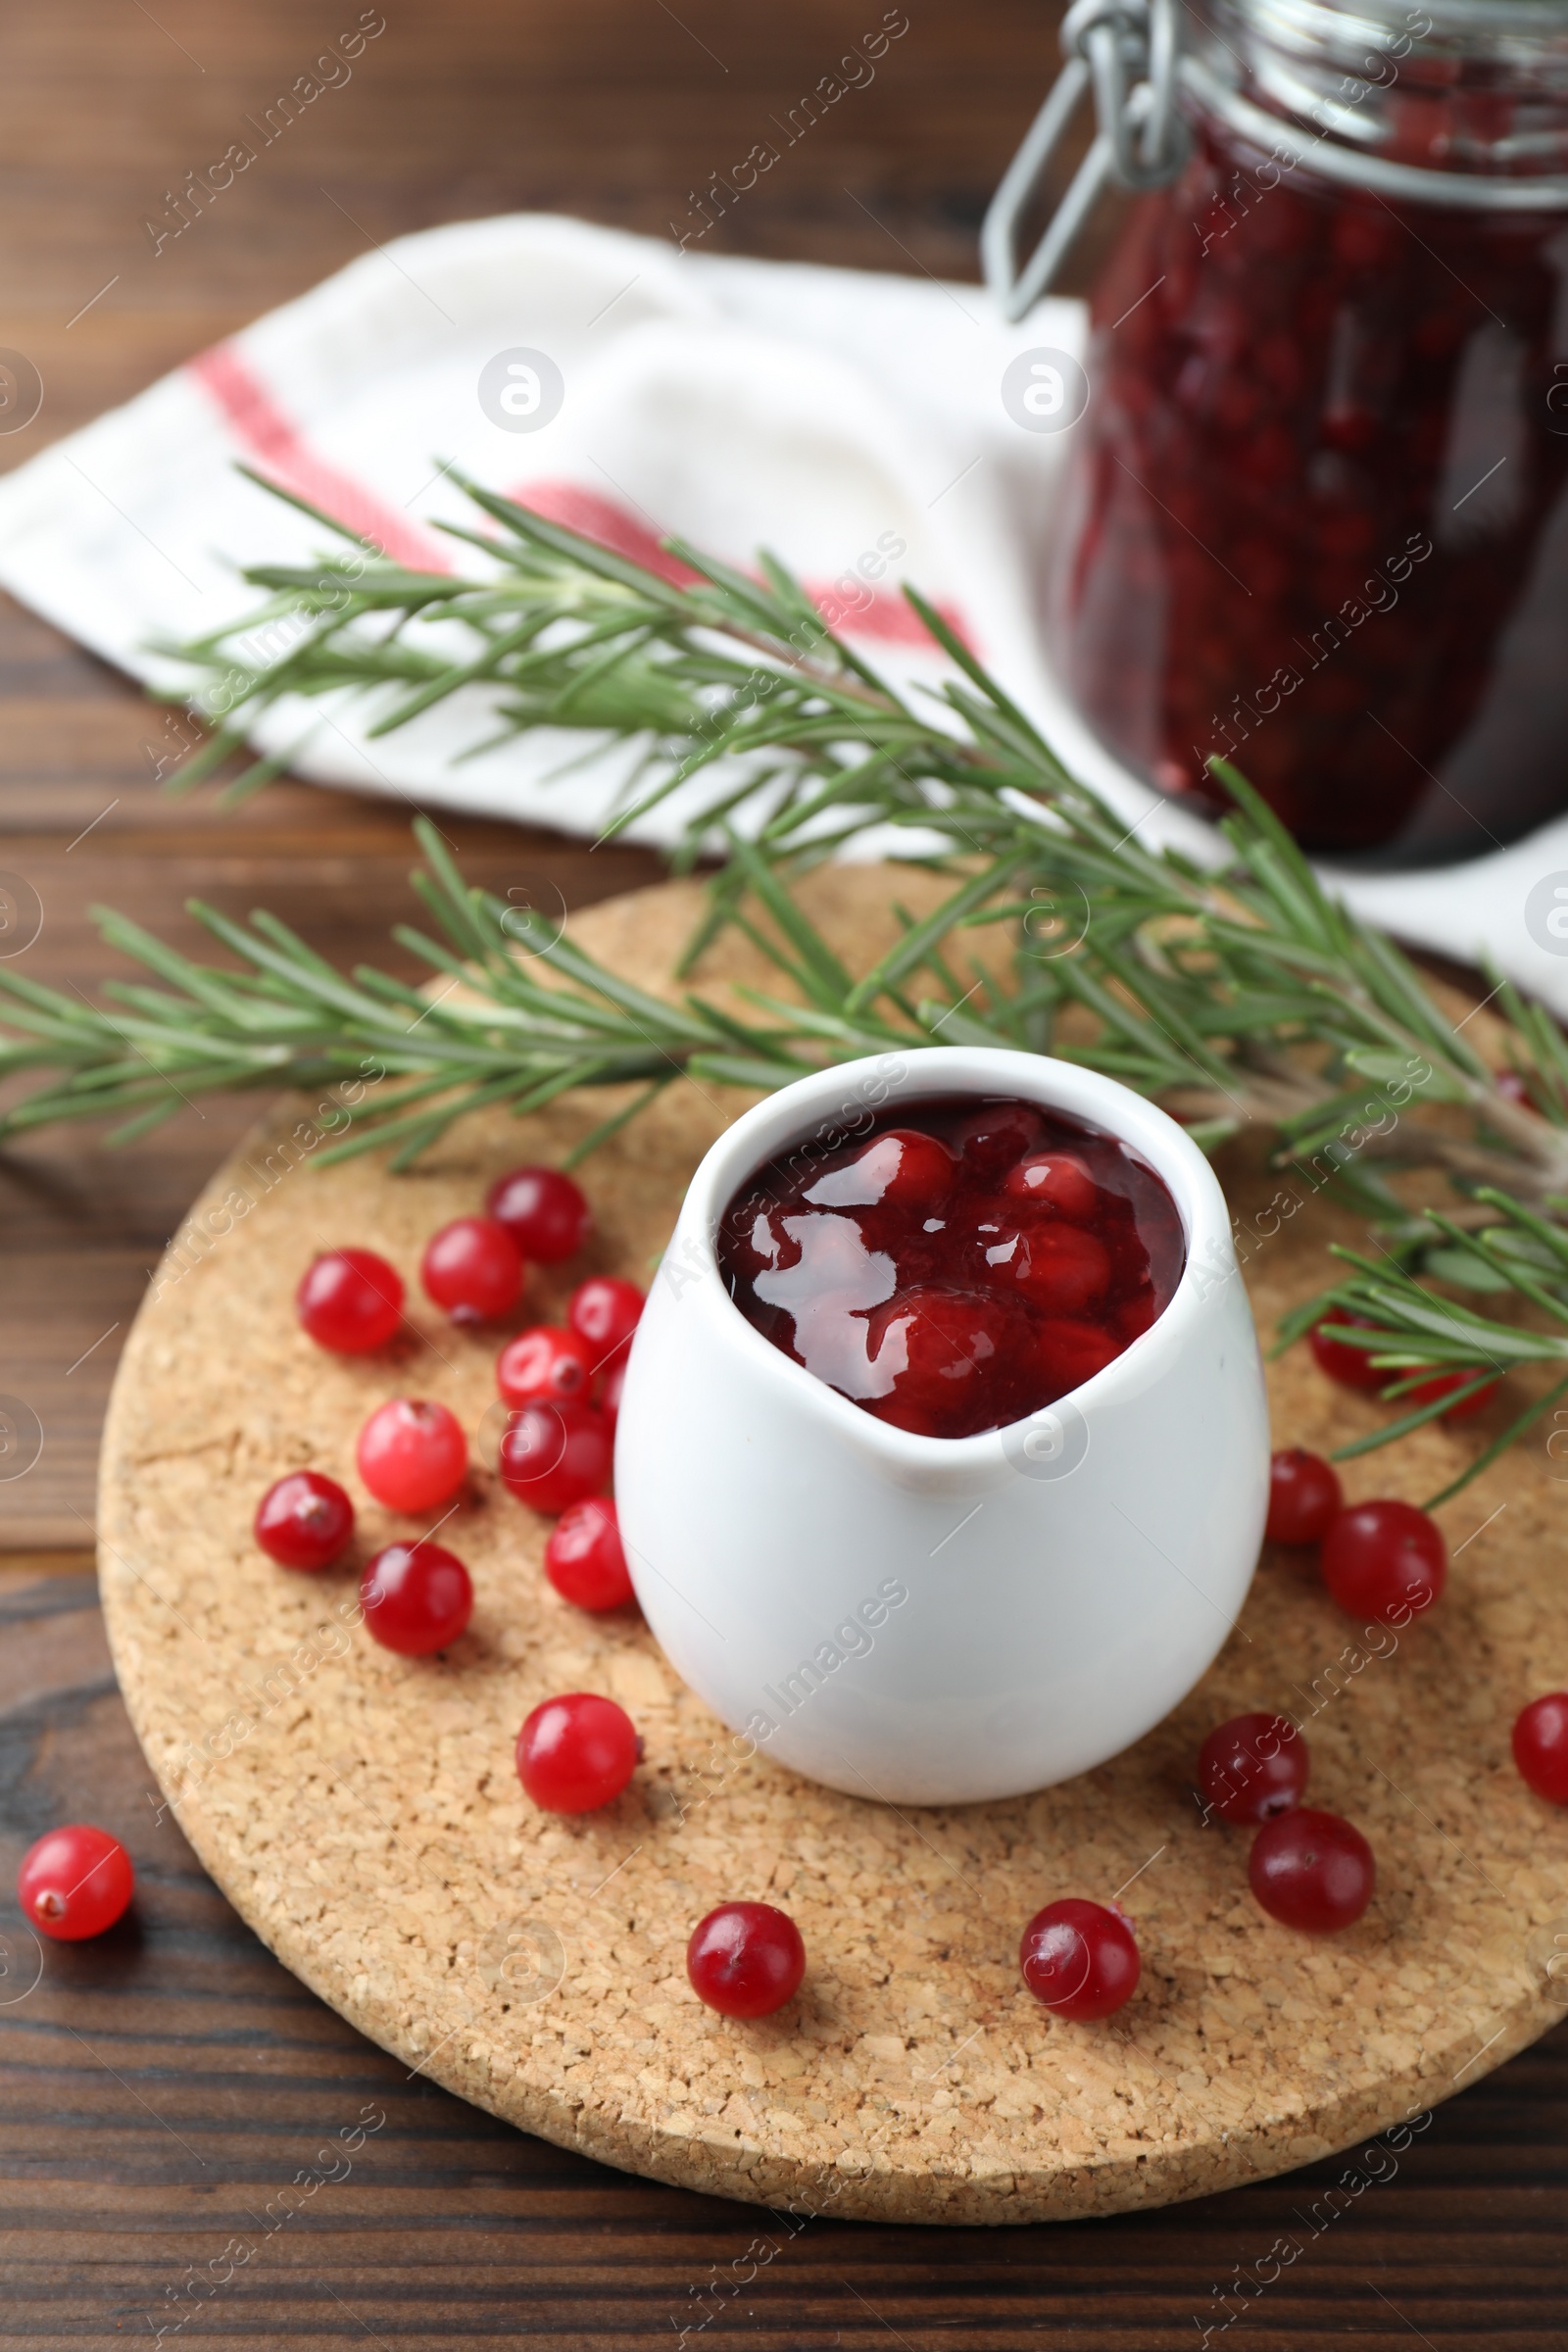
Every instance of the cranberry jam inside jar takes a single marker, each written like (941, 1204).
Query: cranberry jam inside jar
(1318, 516)
(961, 1265)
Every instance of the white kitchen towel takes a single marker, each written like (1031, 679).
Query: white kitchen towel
(852, 423)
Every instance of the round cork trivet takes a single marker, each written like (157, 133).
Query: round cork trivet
(363, 1812)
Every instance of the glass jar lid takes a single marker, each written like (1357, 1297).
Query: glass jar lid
(1455, 103)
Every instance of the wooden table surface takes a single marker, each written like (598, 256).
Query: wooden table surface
(161, 2088)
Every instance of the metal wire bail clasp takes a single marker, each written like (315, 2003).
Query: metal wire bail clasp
(1128, 50)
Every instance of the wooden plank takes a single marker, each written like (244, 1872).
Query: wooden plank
(209, 2077)
(893, 179)
(163, 2091)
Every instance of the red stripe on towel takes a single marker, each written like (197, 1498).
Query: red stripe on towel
(286, 458)
(599, 517)
(848, 604)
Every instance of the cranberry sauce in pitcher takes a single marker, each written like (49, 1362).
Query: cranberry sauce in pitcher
(956, 1268)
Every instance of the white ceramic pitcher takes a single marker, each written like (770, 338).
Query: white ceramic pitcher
(929, 1620)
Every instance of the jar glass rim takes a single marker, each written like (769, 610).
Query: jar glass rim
(1431, 96)
(1479, 26)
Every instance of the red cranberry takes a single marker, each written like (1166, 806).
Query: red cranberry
(1059, 1268)
(746, 1959)
(994, 1137)
(1540, 1746)
(1134, 1316)
(1072, 1352)
(577, 1752)
(412, 1455)
(544, 1211)
(1080, 1959)
(1254, 1767)
(1351, 1367)
(943, 1353)
(417, 1597)
(546, 1364)
(1303, 1496)
(1384, 1560)
(473, 1268)
(350, 1300)
(74, 1881)
(604, 1311)
(1311, 1871)
(609, 1390)
(901, 1169)
(1055, 1180)
(303, 1520)
(554, 1456)
(1445, 1384)
(584, 1558)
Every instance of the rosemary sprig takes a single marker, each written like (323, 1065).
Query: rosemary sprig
(1199, 988)
(496, 1034)
(1411, 1333)
(1239, 997)
(555, 630)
